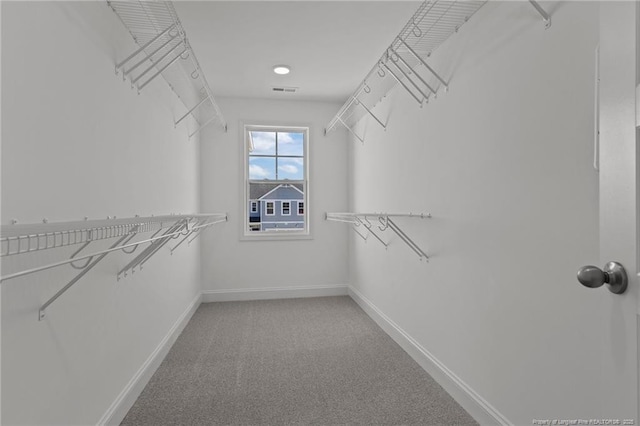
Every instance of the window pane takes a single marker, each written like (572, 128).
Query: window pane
(262, 168)
(264, 143)
(291, 144)
(291, 168)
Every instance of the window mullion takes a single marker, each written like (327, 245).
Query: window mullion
(276, 155)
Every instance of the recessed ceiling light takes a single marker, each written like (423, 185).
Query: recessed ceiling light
(281, 69)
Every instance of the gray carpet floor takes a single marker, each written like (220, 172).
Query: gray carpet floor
(319, 361)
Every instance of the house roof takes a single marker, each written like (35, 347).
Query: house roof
(284, 192)
(259, 190)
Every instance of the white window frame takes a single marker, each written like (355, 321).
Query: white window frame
(266, 208)
(303, 209)
(282, 213)
(254, 207)
(280, 234)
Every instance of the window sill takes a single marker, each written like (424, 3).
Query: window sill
(273, 236)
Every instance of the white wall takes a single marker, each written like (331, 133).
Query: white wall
(503, 161)
(229, 264)
(76, 142)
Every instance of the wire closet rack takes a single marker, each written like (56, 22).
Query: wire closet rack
(405, 60)
(165, 50)
(358, 220)
(18, 240)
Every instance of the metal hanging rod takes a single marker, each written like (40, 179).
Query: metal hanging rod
(125, 230)
(378, 214)
(156, 28)
(357, 220)
(545, 16)
(404, 61)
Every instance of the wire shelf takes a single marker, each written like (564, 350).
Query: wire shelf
(165, 50)
(404, 61)
(22, 239)
(19, 239)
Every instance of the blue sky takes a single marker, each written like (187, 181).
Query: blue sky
(264, 143)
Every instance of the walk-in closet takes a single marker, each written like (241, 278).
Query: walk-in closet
(319, 212)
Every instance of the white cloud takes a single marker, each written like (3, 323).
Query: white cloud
(285, 138)
(288, 168)
(298, 161)
(263, 142)
(257, 172)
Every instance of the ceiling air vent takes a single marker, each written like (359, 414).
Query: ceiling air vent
(285, 89)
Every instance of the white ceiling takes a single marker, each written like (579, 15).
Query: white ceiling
(329, 45)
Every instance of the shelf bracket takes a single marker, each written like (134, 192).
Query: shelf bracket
(351, 130)
(402, 82)
(391, 224)
(368, 225)
(355, 229)
(401, 59)
(151, 249)
(191, 110)
(125, 73)
(545, 16)
(149, 43)
(419, 58)
(206, 124)
(191, 231)
(41, 312)
(171, 62)
(358, 102)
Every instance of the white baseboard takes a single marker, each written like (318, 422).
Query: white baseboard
(125, 400)
(228, 295)
(475, 405)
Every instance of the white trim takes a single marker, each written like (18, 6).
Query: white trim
(470, 400)
(282, 213)
(244, 127)
(228, 295)
(254, 206)
(283, 221)
(298, 209)
(266, 208)
(127, 397)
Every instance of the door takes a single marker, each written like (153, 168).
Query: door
(618, 208)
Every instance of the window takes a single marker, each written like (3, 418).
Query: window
(276, 170)
(270, 208)
(254, 207)
(286, 208)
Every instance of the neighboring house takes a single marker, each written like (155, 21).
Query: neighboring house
(276, 206)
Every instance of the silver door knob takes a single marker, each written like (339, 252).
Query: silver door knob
(613, 275)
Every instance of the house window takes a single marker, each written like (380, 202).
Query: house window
(254, 207)
(286, 208)
(270, 208)
(276, 174)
